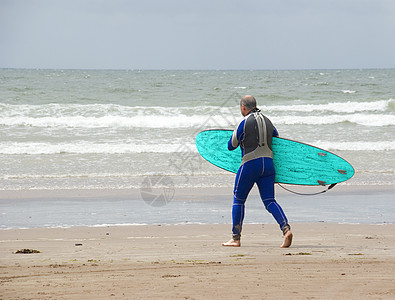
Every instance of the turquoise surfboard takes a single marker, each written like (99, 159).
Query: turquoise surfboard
(294, 162)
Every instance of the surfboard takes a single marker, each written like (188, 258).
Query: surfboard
(295, 162)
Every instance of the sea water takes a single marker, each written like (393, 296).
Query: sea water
(124, 129)
(89, 129)
(356, 208)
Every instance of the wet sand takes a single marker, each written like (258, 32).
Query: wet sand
(325, 261)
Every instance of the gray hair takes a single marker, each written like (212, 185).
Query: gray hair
(248, 101)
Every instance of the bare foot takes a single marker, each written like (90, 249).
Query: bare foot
(232, 243)
(287, 239)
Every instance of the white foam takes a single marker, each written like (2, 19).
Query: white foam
(83, 147)
(361, 119)
(36, 148)
(345, 107)
(348, 92)
(143, 121)
(356, 146)
(185, 121)
(97, 111)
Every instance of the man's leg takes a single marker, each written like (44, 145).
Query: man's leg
(243, 185)
(238, 210)
(277, 212)
(275, 209)
(266, 190)
(237, 217)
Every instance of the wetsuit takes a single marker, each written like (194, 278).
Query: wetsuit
(254, 135)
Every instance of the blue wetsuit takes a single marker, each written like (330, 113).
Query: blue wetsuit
(254, 135)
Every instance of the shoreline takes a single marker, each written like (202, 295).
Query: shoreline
(182, 192)
(325, 261)
(98, 208)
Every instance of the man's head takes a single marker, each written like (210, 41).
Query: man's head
(247, 103)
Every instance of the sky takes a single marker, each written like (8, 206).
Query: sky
(200, 34)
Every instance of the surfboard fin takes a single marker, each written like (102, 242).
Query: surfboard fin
(320, 182)
(321, 154)
(342, 172)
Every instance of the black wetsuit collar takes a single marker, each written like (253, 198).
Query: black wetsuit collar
(254, 110)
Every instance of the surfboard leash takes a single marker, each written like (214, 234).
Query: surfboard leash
(303, 194)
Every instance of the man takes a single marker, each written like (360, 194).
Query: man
(254, 135)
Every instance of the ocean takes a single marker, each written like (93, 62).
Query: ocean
(134, 129)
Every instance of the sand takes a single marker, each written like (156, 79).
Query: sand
(326, 261)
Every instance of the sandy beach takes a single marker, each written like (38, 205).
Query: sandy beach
(103, 192)
(326, 261)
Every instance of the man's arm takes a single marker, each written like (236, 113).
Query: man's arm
(275, 132)
(237, 136)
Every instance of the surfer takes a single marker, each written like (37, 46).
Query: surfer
(254, 135)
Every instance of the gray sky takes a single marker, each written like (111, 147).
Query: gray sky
(200, 34)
